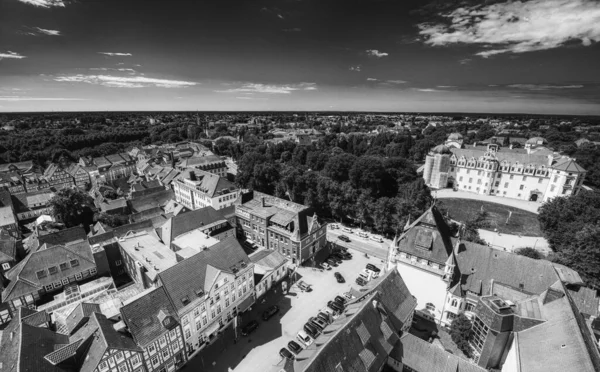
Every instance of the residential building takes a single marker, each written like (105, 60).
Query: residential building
(277, 224)
(47, 270)
(12, 182)
(20, 167)
(456, 273)
(534, 173)
(145, 256)
(367, 336)
(8, 252)
(8, 221)
(57, 176)
(159, 198)
(209, 289)
(270, 267)
(145, 188)
(80, 176)
(211, 164)
(152, 321)
(111, 167)
(206, 220)
(198, 189)
(31, 205)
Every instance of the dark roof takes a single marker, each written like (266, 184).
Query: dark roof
(156, 199)
(5, 199)
(80, 314)
(188, 221)
(212, 184)
(120, 231)
(146, 215)
(150, 316)
(65, 236)
(190, 275)
(569, 165)
(8, 247)
(428, 237)
(586, 300)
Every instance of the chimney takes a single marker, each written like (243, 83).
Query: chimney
(192, 176)
(262, 199)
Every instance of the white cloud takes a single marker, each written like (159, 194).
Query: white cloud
(376, 53)
(371, 79)
(465, 61)
(12, 55)
(48, 32)
(270, 88)
(429, 90)
(518, 27)
(17, 98)
(396, 81)
(446, 86)
(543, 86)
(355, 68)
(129, 70)
(116, 54)
(280, 16)
(45, 3)
(125, 82)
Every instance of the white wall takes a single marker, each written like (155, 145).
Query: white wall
(511, 364)
(425, 286)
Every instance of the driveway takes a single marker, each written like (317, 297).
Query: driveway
(260, 351)
(516, 203)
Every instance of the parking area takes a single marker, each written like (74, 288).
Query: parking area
(359, 244)
(260, 350)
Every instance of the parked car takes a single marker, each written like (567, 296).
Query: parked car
(373, 268)
(363, 234)
(318, 323)
(348, 296)
(332, 262)
(285, 353)
(249, 328)
(335, 306)
(311, 330)
(335, 258)
(303, 286)
(339, 278)
(332, 313)
(334, 226)
(324, 316)
(344, 238)
(267, 314)
(347, 229)
(345, 255)
(304, 338)
(341, 300)
(340, 248)
(294, 347)
(325, 266)
(376, 238)
(361, 281)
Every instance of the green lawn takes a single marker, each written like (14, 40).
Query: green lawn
(521, 222)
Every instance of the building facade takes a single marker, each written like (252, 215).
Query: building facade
(533, 174)
(211, 164)
(277, 224)
(199, 189)
(270, 267)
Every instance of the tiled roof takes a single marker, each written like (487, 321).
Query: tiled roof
(5, 199)
(80, 314)
(569, 165)
(586, 300)
(189, 276)
(65, 236)
(7, 217)
(201, 161)
(428, 237)
(188, 221)
(420, 355)
(211, 184)
(150, 316)
(23, 276)
(268, 259)
(8, 247)
(156, 199)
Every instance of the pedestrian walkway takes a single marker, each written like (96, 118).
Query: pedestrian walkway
(516, 203)
(512, 242)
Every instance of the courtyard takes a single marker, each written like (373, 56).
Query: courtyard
(260, 350)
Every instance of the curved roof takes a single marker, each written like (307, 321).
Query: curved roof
(455, 136)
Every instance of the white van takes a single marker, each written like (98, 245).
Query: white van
(363, 234)
(365, 275)
(376, 238)
(347, 229)
(304, 338)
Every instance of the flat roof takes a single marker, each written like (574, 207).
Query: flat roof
(195, 239)
(148, 251)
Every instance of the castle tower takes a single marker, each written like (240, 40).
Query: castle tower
(437, 166)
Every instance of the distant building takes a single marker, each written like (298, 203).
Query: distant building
(277, 224)
(211, 164)
(198, 189)
(111, 167)
(534, 173)
(57, 177)
(32, 204)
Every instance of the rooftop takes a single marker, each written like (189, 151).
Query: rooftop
(147, 249)
(194, 239)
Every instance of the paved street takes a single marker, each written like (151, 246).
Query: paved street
(512, 242)
(260, 351)
(370, 247)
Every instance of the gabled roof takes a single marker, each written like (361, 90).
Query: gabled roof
(80, 314)
(150, 316)
(427, 237)
(8, 247)
(156, 199)
(188, 221)
(586, 300)
(72, 234)
(188, 276)
(24, 278)
(211, 184)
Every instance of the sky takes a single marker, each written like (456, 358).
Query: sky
(535, 56)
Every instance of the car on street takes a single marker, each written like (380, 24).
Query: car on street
(344, 238)
(249, 328)
(324, 316)
(339, 277)
(363, 234)
(332, 262)
(285, 353)
(304, 338)
(361, 281)
(318, 322)
(373, 268)
(272, 310)
(319, 326)
(347, 229)
(294, 347)
(334, 226)
(311, 330)
(332, 313)
(376, 238)
(325, 266)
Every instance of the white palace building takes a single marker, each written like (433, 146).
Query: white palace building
(534, 173)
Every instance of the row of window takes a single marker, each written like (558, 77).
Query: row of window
(54, 269)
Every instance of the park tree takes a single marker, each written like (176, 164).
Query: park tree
(112, 220)
(73, 207)
(338, 167)
(461, 332)
(470, 230)
(583, 255)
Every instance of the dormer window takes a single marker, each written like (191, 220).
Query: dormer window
(53, 270)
